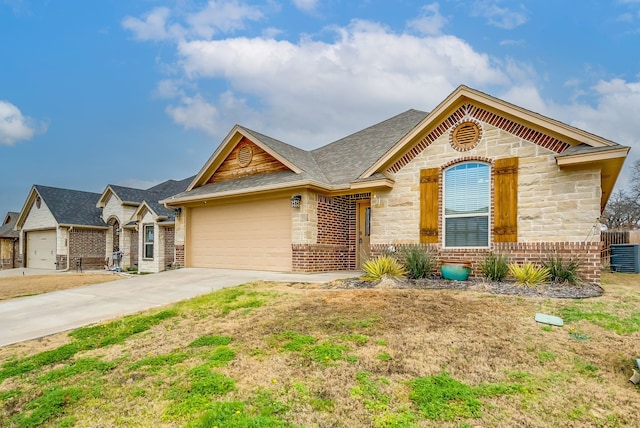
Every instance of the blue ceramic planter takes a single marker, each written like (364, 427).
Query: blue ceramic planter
(455, 272)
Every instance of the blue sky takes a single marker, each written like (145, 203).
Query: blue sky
(136, 92)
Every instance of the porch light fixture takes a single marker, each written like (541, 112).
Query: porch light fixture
(295, 201)
(177, 212)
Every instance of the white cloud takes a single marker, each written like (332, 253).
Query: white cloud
(306, 5)
(15, 127)
(222, 16)
(195, 113)
(310, 92)
(168, 88)
(216, 17)
(498, 16)
(152, 27)
(430, 21)
(321, 87)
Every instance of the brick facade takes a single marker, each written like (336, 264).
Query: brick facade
(88, 244)
(335, 248)
(61, 262)
(133, 250)
(516, 252)
(179, 255)
(169, 247)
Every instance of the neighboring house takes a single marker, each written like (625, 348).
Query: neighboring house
(61, 227)
(475, 175)
(139, 227)
(9, 239)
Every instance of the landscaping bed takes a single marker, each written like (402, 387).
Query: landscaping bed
(553, 290)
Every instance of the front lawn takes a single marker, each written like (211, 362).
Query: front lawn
(272, 355)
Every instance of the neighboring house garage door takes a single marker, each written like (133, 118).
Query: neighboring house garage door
(41, 249)
(251, 235)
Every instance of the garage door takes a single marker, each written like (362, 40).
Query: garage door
(250, 235)
(41, 249)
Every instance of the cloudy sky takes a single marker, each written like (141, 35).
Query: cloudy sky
(136, 92)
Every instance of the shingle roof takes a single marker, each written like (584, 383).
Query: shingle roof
(343, 161)
(129, 194)
(336, 164)
(301, 158)
(169, 187)
(6, 229)
(73, 207)
(153, 194)
(244, 183)
(581, 149)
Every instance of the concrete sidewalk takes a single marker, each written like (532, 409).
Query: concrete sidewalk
(33, 317)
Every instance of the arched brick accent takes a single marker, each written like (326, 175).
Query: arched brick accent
(469, 112)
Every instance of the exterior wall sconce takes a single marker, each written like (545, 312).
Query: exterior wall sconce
(177, 212)
(295, 201)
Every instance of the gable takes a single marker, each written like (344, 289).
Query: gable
(246, 159)
(470, 113)
(37, 214)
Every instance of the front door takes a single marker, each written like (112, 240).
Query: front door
(363, 233)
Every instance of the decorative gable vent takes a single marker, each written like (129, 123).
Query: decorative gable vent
(245, 154)
(465, 136)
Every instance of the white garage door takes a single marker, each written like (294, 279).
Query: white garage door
(250, 235)
(41, 249)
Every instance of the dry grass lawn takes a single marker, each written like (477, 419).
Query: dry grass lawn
(29, 285)
(306, 356)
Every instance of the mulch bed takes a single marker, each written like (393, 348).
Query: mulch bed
(553, 290)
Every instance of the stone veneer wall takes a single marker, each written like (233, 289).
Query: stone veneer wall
(9, 252)
(553, 204)
(90, 244)
(516, 252)
(335, 247)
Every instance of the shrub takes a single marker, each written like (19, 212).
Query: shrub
(418, 261)
(529, 275)
(561, 270)
(381, 266)
(494, 267)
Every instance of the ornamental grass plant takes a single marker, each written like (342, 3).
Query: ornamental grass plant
(561, 270)
(494, 267)
(419, 262)
(383, 266)
(529, 274)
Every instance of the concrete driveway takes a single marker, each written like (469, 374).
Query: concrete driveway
(33, 317)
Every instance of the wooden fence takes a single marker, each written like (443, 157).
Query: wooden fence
(609, 238)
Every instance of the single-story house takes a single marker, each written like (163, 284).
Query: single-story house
(61, 228)
(127, 212)
(9, 239)
(475, 175)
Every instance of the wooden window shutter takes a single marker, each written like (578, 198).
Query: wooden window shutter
(505, 219)
(429, 205)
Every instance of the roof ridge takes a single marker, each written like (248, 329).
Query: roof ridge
(317, 171)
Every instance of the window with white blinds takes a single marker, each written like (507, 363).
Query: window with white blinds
(466, 205)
